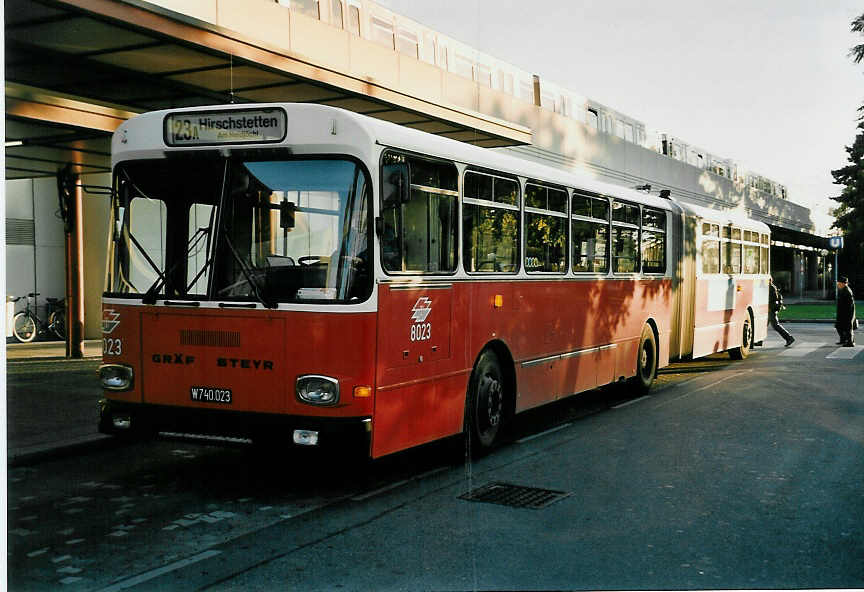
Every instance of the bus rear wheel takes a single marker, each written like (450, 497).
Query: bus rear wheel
(741, 352)
(646, 361)
(484, 409)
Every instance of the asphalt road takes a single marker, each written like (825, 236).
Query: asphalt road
(729, 475)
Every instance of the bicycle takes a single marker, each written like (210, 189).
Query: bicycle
(26, 325)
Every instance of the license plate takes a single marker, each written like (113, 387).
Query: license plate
(209, 394)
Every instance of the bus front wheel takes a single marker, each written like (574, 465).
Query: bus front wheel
(484, 412)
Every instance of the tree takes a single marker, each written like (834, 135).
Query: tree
(857, 52)
(849, 214)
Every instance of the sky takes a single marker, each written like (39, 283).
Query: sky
(767, 83)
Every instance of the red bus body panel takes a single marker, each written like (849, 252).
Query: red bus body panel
(564, 337)
(258, 355)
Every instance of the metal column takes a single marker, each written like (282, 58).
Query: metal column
(70, 195)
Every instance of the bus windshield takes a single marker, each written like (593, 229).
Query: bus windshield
(232, 229)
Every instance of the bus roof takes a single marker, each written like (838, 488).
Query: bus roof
(725, 217)
(323, 127)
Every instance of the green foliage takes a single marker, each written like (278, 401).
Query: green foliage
(849, 214)
(857, 52)
(812, 311)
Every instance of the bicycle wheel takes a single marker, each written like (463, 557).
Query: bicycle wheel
(57, 324)
(24, 327)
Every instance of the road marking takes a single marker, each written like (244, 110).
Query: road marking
(625, 404)
(374, 492)
(155, 573)
(772, 345)
(707, 386)
(799, 350)
(546, 433)
(845, 353)
(364, 496)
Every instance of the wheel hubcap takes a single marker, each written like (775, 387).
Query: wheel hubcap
(645, 360)
(492, 394)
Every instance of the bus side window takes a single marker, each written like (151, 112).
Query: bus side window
(653, 249)
(490, 224)
(625, 238)
(731, 257)
(590, 231)
(710, 248)
(394, 192)
(418, 210)
(545, 229)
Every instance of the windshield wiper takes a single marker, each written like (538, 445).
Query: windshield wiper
(259, 292)
(160, 276)
(150, 295)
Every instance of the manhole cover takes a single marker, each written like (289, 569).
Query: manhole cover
(515, 496)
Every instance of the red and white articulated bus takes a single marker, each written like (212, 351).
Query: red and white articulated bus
(295, 273)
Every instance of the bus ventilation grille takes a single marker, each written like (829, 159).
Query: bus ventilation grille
(211, 338)
(515, 496)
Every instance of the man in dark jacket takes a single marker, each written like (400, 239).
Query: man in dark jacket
(845, 313)
(775, 305)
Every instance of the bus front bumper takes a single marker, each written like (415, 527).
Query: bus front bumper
(140, 419)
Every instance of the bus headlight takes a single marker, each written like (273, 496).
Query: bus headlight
(116, 377)
(318, 390)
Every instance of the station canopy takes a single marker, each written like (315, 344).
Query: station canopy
(75, 69)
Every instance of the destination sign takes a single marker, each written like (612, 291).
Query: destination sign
(209, 128)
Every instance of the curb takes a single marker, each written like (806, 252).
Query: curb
(31, 455)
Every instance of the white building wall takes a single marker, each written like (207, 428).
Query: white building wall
(20, 259)
(50, 244)
(41, 267)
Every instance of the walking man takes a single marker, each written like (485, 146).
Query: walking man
(845, 313)
(775, 305)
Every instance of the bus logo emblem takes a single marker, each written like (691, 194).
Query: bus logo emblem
(421, 309)
(110, 320)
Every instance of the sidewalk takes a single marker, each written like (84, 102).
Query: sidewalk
(49, 350)
(51, 400)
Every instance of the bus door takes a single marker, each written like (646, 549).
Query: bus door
(419, 397)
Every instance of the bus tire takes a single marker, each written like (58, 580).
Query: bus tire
(484, 406)
(646, 361)
(741, 352)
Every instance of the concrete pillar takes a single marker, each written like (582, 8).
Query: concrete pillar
(812, 271)
(797, 274)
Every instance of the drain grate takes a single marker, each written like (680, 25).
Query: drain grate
(515, 496)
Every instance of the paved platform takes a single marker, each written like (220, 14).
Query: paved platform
(51, 400)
